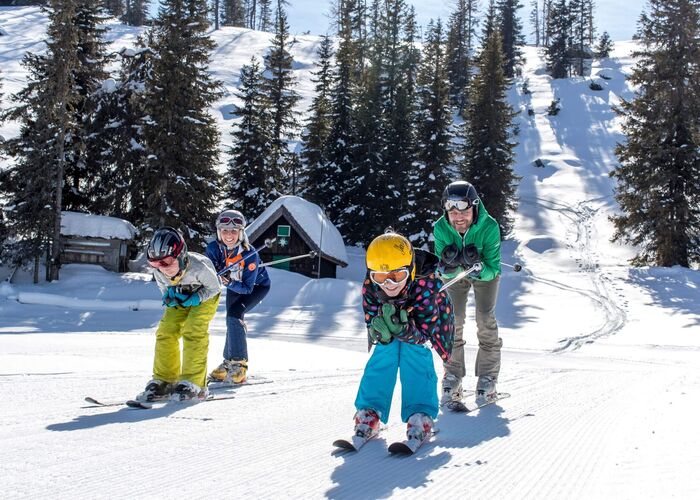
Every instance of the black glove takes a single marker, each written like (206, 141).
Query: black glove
(472, 259)
(449, 259)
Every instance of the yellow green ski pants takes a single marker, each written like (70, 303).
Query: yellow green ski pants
(192, 324)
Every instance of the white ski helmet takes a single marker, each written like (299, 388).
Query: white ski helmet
(232, 219)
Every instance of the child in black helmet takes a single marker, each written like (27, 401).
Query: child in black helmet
(191, 291)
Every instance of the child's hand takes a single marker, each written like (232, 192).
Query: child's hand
(188, 300)
(388, 323)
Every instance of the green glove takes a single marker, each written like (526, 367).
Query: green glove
(386, 325)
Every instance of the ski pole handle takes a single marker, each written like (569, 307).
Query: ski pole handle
(238, 258)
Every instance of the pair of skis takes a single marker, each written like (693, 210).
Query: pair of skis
(147, 405)
(410, 446)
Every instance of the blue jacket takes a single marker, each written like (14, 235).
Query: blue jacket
(251, 272)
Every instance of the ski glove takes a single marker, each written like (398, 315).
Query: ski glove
(188, 300)
(169, 297)
(449, 259)
(388, 324)
(472, 259)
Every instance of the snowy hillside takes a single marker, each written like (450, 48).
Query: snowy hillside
(600, 359)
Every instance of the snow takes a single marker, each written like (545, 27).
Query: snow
(96, 226)
(312, 219)
(601, 359)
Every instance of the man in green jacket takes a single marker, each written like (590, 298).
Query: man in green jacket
(467, 237)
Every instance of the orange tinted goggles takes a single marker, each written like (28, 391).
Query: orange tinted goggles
(396, 276)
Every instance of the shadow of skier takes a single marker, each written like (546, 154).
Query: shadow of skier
(458, 430)
(121, 416)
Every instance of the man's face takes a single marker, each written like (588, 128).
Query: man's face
(461, 219)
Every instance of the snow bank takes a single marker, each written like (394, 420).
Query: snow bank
(96, 226)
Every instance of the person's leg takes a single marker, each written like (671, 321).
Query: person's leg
(166, 362)
(195, 341)
(378, 380)
(236, 337)
(458, 296)
(488, 358)
(418, 381)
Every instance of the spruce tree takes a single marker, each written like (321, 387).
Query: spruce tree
(580, 25)
(341, 137)
(434, 138)
(535, 22)
(318, 126)
(250, 183)
(114, 7)
(460, 43)
(558, 52)
(265, 20)
(605, 45)
(282, 98)
(180, 135)
(89, 73)
(32, 185)
(511, 29)
(136, 12)
(488, 154)
(233, 13)
(657, 180)
(120, 163)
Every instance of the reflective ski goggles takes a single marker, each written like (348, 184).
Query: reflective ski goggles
(396, 276)
(164, 262)
(230, 221)
(460, 205)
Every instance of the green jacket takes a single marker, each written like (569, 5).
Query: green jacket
(484, 233)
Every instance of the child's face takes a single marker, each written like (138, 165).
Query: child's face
(393, 289)
(171, 270)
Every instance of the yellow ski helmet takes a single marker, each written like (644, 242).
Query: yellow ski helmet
(390, 251)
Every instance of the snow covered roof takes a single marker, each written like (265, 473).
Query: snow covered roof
(96, 226)
(310, 219)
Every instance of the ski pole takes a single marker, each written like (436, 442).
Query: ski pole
(461, 275)
(311, 255)
(515, 267)
(238, 258)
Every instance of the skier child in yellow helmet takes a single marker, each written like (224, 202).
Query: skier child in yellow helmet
(404, 309)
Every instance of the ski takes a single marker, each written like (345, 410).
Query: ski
(148, 405)
(470, 406)
(409, 446)
(214, 385)
(354, 443)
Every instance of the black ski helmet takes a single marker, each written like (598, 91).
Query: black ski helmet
(168, 242)
(461, 191)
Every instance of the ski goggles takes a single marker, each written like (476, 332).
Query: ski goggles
(230, 221)
(460, 205)
(164, 262)
(397, 276)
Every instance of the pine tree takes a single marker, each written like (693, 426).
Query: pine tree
(88, 76)
(558, 52)
(32, 185)
(250, 182)
(233, 13)
(511, 29)
(120, 163)
(136, 13)
(535, 22)
(114, 7)
(434, 137)
(580, 26)
(488, 156)
(657, 180)
(605, 45)
(341, 138)
(318, 126)
(180, 135)
(460, 38)
(282, 98)
(265, 15)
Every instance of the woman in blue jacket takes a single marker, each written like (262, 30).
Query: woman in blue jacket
(246, 283)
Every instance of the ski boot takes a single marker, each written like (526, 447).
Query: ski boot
(155, 390)
(236, 370)
(366, 423)
(451, 389)
(187, 391)
(419, 427)
(485, 388)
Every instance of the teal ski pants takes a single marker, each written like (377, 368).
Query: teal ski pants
(419, 391)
